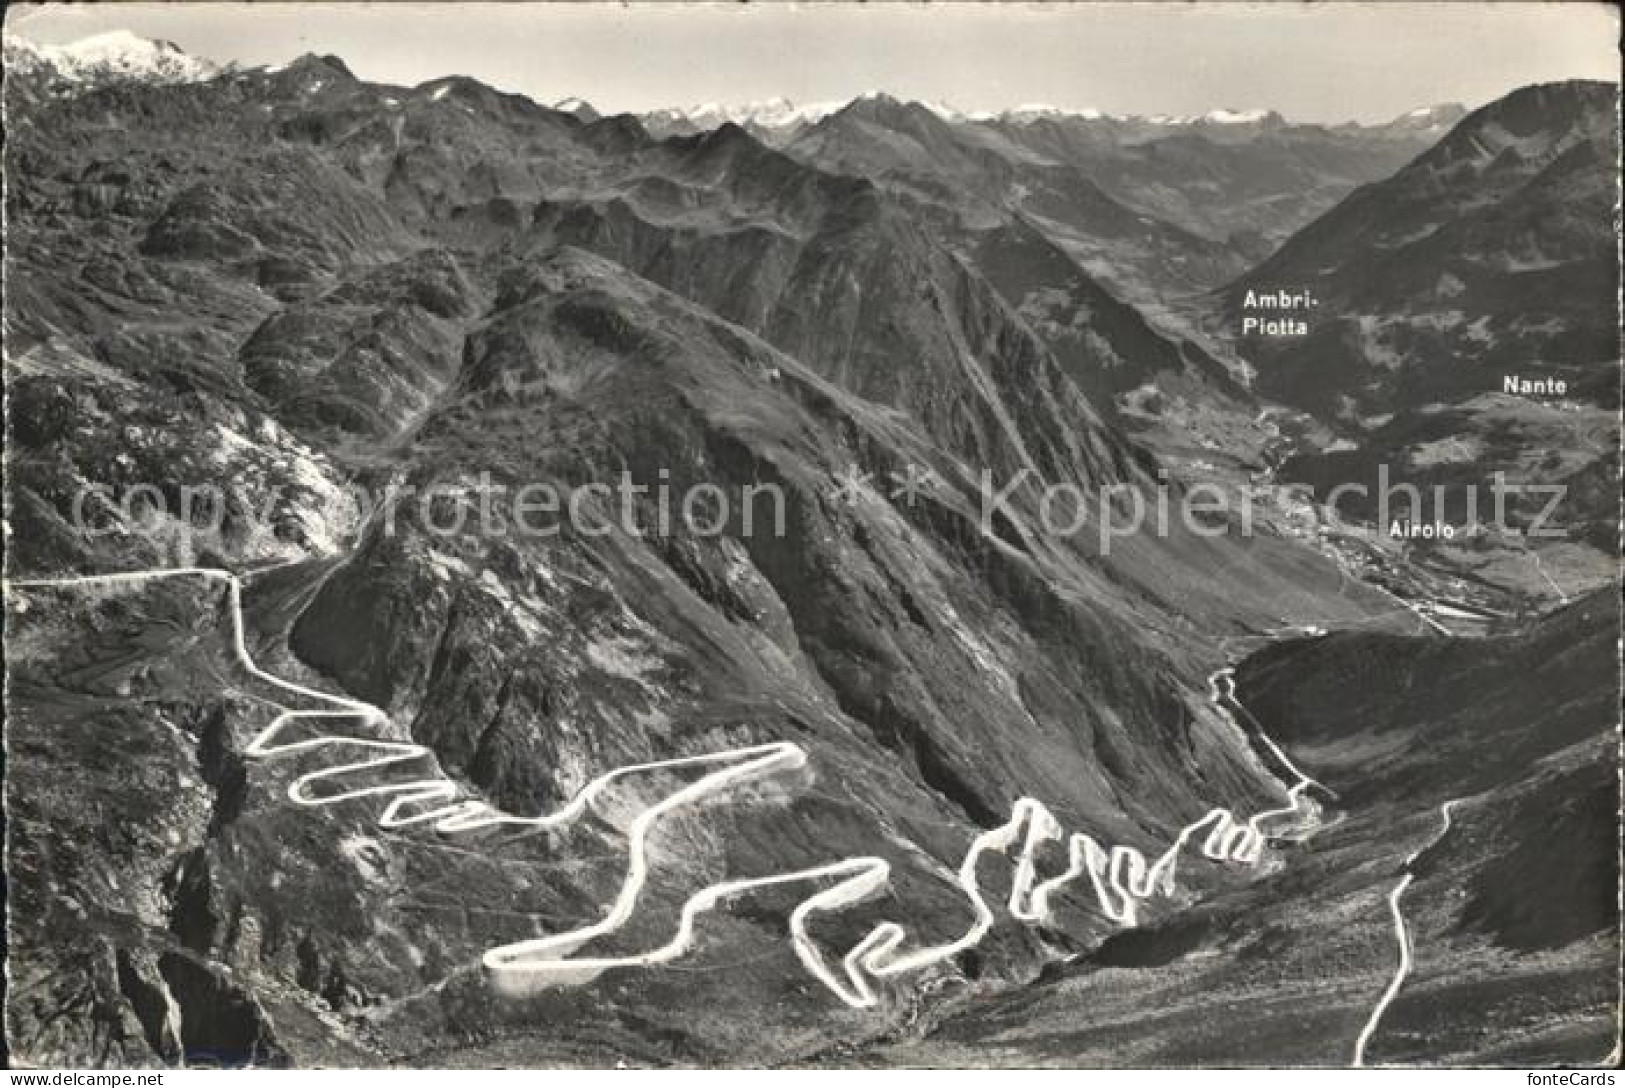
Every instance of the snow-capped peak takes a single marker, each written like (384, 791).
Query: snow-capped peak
(1036, 111)
(1213, 117)
(114, 55)
(1235, 117)
(1428, 120)
(782, 114)
(770, 113)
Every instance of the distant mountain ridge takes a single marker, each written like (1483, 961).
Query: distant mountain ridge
(784, 113)
(1268, 175)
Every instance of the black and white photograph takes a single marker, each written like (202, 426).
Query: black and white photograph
(812, 536)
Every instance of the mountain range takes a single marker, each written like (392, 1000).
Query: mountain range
(782, 113)
(368, 312)
(1243, 175)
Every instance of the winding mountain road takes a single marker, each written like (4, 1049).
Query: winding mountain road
(1401, 934)
(1121, 876)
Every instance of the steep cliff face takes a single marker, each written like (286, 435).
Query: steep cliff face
(897, 613)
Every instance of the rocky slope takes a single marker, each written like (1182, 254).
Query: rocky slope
(369, 315)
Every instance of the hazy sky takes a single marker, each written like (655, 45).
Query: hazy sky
(1313, 62)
